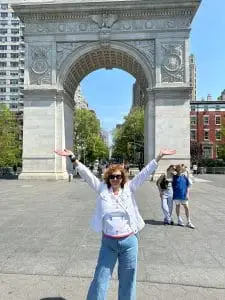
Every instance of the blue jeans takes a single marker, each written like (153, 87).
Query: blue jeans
(167, 204)
(126, 251)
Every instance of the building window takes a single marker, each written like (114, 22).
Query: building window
(3, 39)
(206, 135)
(206, 108)
(218, 120)
(13, 105)
(2, 73)
(193, 120)
(3, 55)
(3, 31)
(4, 6)
(4, 14)
(13, 90)
(193, 134)
(15, 31)
(13, 81)
(2, 90)
(3, 64)
(206, 120)
(2, 81)
(2, 98)
(3, 47)
(192, 108)
(207, 151)
(217, 107)
(15, 39)
(14, 73)
(15, 23)
(14, 64)
(218, 135)
(14, 15)
(15, 47)
(14, 55)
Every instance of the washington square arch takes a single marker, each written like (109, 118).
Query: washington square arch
(67, 40)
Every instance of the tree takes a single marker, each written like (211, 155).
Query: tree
(221, 146)
(129, 137)
(10, 147)
(87, 140)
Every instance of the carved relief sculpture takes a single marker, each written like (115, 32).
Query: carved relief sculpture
(63, 50)
(172, 65)
(105, 22)
(146, 47)
(40, 65)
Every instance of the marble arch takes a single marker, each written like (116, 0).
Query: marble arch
(66, 40)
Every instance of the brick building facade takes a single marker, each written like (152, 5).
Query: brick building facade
(207, 118)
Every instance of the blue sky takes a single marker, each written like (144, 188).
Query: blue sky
(109, 92)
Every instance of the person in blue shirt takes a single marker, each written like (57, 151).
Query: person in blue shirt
(181, 185)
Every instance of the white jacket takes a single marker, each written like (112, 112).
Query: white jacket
(127, 197)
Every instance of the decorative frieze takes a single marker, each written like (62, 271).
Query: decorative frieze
(122, 14)
(40, 65)
(96, 22)
(173, 62)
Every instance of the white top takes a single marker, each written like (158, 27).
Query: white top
(116, 221)
(106, 211)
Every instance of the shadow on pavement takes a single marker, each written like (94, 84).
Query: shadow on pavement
(53, 298)
(154, 222)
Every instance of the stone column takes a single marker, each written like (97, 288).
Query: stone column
(149, 126)
(48, 124)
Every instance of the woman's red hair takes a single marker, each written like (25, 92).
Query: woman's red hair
(113, 168)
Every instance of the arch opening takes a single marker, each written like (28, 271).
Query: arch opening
(81, 63)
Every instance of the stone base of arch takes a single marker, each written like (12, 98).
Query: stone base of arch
(48, 125)
(167, 125)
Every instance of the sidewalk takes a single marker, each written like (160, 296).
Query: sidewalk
(48, 250)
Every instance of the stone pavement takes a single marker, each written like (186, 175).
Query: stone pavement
(48, 251)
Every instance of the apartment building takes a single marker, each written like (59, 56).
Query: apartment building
(207, 118)
(11, 58)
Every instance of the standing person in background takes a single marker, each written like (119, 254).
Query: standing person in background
(181, 185)
(195, 169)
(118, 219)
(164, 184)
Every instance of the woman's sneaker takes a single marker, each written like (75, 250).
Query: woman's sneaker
(190, 225)
(180, 223)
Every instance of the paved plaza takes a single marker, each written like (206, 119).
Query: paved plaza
(48, 251)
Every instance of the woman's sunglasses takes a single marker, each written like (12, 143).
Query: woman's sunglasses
(115, 176)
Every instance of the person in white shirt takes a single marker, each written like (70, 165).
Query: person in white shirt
(118, 219)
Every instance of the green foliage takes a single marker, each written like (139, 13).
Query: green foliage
(128, 139)
(87, 140)
(9, 138)
(221, 146)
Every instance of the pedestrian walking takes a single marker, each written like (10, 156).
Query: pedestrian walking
(181, 185)
(164, 184)
(118, 219)
(195, 169)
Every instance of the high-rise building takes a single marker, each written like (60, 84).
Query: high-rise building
(192, 68)
(12, 50)
(138, 96)
(79, 99)
(11, 58)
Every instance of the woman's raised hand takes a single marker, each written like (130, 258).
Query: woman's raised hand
(167, 152)
(163, 152)
(65, 152)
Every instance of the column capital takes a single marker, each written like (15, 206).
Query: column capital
(172, 92)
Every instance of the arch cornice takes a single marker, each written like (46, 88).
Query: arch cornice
(139, 55)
